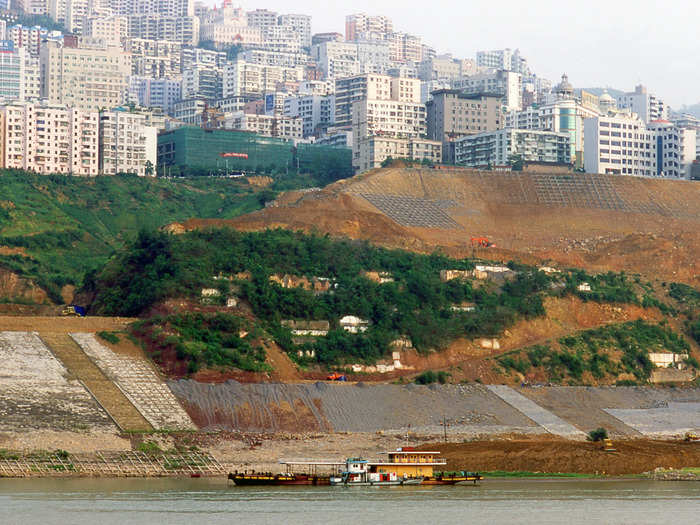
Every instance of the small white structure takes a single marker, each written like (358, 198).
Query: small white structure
(353, 324)
(210, 292)
(584, 287)
(668, 360)
(548, 270)
(491, 344)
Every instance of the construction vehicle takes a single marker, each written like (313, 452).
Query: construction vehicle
(335, 376)
(73, 310)
(608, 445)
(482, 242)
(692, 436)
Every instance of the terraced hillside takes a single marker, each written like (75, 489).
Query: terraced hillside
(598, 222)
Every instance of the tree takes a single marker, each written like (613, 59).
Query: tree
(148, 168)
(516, 162)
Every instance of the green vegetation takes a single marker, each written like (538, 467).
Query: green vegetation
(203, 340)
(528, 474)
(599, 434)
(596, 350)
(110, 337)
(417, 304)
(428, 377)
(70, 226)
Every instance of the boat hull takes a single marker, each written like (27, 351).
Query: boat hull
(277, 479)
(451, 480)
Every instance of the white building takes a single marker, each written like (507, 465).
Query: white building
(273, 58)
(506, 59)
(19, 73)
(507, 84)
(268, 125)
(150, 92)
(359, 25)
(301, 24)
(183, 29)
(242, 78)
(336, 59)
(126, 144)
(675, 149)
(619, 144)
(112, 29)
(314, 111)
(498, 148)
(646, 105)
(48, 139)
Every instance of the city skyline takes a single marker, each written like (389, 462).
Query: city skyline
(622, 43)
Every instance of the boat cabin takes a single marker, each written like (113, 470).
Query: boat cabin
(407, 462)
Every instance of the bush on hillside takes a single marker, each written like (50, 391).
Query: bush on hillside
(599, 434)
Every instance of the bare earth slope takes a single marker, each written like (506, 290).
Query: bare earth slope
(598, 222)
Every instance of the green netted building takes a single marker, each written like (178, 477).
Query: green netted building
(195, 150)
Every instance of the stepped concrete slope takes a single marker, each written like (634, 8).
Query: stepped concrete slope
(549, 421)
(601, 222)
(111, 398)
(37, 392)
(139, 382)
(668, 419)
(467, 409)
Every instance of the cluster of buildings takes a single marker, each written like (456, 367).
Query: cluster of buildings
(124, 75)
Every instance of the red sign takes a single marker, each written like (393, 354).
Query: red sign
(235, 155)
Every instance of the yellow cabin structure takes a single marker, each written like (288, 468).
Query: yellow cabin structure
(406, 462)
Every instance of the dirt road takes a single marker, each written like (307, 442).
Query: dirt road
(63, 324)
(540, 455)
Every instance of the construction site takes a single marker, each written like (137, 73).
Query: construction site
(598, 222)
(73, 403)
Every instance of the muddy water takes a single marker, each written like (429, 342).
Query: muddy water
(106, 502)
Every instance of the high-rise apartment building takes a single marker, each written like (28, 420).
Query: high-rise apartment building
(112, 29)
(19, 73)
(315, 111)
(48, 139)
(126, 144)
(507, 84)
(183, 29)
(253, 80)
(90, 77)
(155, 58)
(362, 26)
(299, 23)
(202, 82)
(619, 144)
(648, 106)
(675, 149)
(149, 92)
(498, 148)
(506, 59)
(452, 114)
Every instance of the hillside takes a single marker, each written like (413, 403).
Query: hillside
(597, 222)
(219, 304)
(55, 229)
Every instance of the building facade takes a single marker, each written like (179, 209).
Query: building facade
(500, 148)
(49, 139)
(126, 144)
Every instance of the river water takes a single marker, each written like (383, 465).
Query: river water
(167, 501)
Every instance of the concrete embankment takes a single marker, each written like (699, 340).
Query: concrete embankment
(471, 410)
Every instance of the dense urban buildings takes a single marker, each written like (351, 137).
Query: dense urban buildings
(373, 88)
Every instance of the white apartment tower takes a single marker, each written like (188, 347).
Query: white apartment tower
(126, 144)
(48, 139)
(646, 105)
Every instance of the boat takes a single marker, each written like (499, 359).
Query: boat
(267, 478)
(358, 473)
(452, 478)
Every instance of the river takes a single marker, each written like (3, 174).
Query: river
(168, 501)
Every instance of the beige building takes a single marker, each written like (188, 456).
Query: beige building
(375, 150)
(111, 29)
(126, 144)
(243, 79)
(268, 125)
(90, 77)
(49, 139)
(390, 110)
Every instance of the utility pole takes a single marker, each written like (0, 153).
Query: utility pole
(444, 426)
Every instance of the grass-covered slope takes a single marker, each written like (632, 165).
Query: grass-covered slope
(55, 229)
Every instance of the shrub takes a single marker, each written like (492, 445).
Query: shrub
(599, 434)
(110, 337)
(429, 377)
